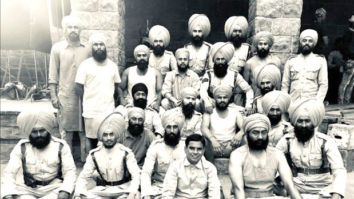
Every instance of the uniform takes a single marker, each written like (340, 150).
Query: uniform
(198, 57)
(192, 125)
(257, 104)
(278, 131)
(167, 62)
(156, 165)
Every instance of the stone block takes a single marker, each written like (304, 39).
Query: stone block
(121, 8)
(251, 11)
(262, 24)
(8, 119)
(5, 151)
(343, 135)
(11, 133)
(292, 8)
(222, 166)
(84, 5)
(269, 8)
(286, 26)
(113, 54)
(108, 5)
(295, 44)
(282, 44)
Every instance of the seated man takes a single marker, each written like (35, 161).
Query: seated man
(192, 176)
(220, 127)
(160, 154)
(275, 106)
(111, 166)
(313, 156)
(48, 167)
(253, 167)
(152, 119)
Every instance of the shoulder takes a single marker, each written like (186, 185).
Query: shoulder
(149, 134)
(246, 45)
(207, 44)
(60, 44)
(292, 58)
(187, 44)
(168, 53)
(196, 113)
(124, 148)
(88, 61)
(23, 141)
(58, 140)
(149, 109)
(322, 136)
(239, 154)
(157, 142)
(319, 57)
(208, 165)
(92, 151)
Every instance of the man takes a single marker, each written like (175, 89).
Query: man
(65, 58)
(305, 75)
(221, 53)
(160, 58)
(253, 167)
(267, 78)
(111, 166)
(313, 156)
(199, 29)
(136, 137)
(262, 42)
(275, 106)
(160, 154)
(142, 73)
(319, 25)
(97, 80)
(176, 81)
(152, 118)
(192, 176)
(48, 168)
(220, 127)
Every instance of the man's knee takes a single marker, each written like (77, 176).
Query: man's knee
(165, 103)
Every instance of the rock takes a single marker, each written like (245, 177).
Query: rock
(84, 5)
(286, 26)
(292, 8)
(269, 8)
(108, 5)
(282, 44)
(262, 24)
(343, 135)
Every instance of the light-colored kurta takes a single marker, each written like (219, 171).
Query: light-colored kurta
(278, 131)
(167, 62)
(198, 57)
(191, 125)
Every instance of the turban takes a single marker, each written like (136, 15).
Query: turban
(139, 87)
(26, 120)
(173, 116)
(71, 20)
(269, 72)
(141, 48)
(234, 21)
(256, 120)
(309, 33)
(136, 111)
(222, 90)
(96, 38)
(275, 97)
(309, 107)
(200, 20)
(181, 51)
(263, 35)
(189, 91)
(321, 11)
(159, 32)
(114, 122)
(225, 48)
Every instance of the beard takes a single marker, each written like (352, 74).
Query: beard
(274, 119)
(197, 41)
(73, 36)
(237, 41)
(41, 141)
(306, 49)
(158, 50)
(108, 145)
(141, 103)
(221, 106)
(262, 53)
(188, 110)
(99, 55)
(172, 139)
(220, 70)
(257, 144)
(304, 134)
(135, 129)
(142, 65)
(266, 90)
(182, 68)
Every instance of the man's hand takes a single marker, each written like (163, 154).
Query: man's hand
(175, 102)
(208, 106)
(236, 140)
(250, 111)
(63, 195)
(134, 195)
(216, 145)
(55, 102)
(336, 196)
(122, 101)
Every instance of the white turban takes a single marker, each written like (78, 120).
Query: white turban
(256, 120)
(189, 91)
(96, 38)
(200, 20)
(309, 107)
(263, 35)
(173, 116)
(225, 48)
(222, 90)
(26, 120)
(136, 111)
(70, 19)
(309, 33)
(234, 21)
(114, 122)
(275, 97)
(270, 72)
(141, 48)
(159, 32)
(181, 51)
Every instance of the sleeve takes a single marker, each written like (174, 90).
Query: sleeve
(167, 84)
(116, 74)
(148, 170)
(8, 184)
(54, 62)
(322, 81)
(282, 145)
(134, 171)
(170, 181)
(285, 85)
(85, 176)
(81, 74)
(173, 63)
(157, 123)
(69, 170)
(246, 88)
(204, 87)
(336, 162)
(213, 183)
(196, 82)
(198, 126)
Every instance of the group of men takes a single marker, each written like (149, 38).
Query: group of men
(155, 130)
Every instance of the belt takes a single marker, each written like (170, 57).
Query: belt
(313, 171)
(258, 194)
(110, 183)
(43, 183)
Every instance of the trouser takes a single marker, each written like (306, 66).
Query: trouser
(68, 137)
(346, 86)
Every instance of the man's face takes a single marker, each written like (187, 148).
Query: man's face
(188, 105)
(220, 65)
(274, 115)
(183, 62)
(99, 52)
(158, 47)
(263, 48)
(304, 128)
(109, 139)
(140, 99)
(257, 138)
(222, 101)
(142, 56)
(219, 58)
(39, 137)
(172, 134)
(197, 36)
(266, 86)
(306, 45)
(136, 124)
(194, 151)
(72, 31)
(320, 17)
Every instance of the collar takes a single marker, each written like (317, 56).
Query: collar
(67, 44)
(187, 73)
(199, 165)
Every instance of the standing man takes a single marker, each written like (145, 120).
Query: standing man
(160, 58)
(322, 46)
(313, 157)
(97, 80)
(48, 168)
(262, 42)
(176, 81)
(111, 166)
(192, 176)
(305, 75)
(142, 73)
(65, 58)
(199, 29)
(253, 167)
